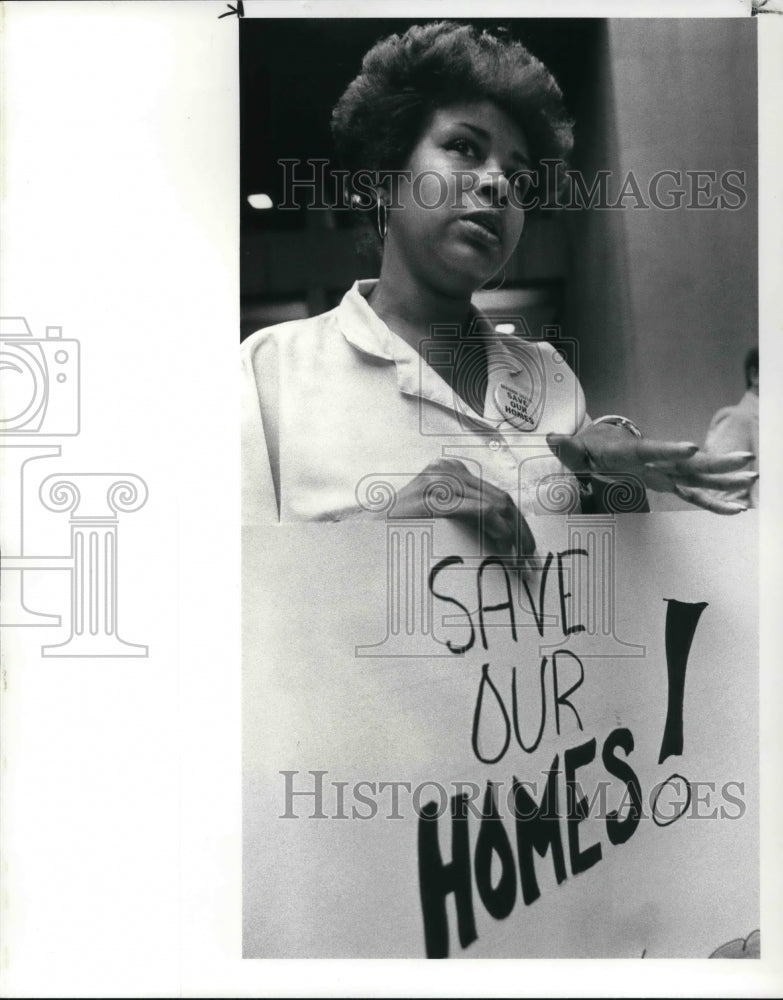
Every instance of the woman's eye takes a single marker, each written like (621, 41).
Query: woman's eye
(463, 146)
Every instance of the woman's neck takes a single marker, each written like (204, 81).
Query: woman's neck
(410, 308)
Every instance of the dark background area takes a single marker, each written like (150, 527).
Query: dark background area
(657, 308)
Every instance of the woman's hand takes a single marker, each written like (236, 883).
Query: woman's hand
(447, 488)
(605, 450)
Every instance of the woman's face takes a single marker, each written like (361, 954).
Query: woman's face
(457, 221)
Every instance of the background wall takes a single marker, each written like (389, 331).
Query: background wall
(664, 303)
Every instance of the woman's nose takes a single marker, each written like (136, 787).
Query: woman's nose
(493, 184)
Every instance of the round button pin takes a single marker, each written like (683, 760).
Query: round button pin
(516, 406)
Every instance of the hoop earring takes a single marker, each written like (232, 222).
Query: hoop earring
(381, 218)
(494, 288)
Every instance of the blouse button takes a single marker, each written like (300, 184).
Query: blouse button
(495, 444)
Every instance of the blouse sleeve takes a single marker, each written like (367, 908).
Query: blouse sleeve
(259, 500)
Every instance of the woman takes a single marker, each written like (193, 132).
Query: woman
(402, 401)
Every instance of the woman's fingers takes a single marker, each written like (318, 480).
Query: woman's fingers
(644, 451)
(497, 513)
(708, 463)
(571, 451)
(491, 521)
(693, 479)
(724, 481)
(501, 519)
(708, 501)
(526, 542)
(658, 479)
(629, 453)
(447, 488)
(520, 535)
(605, 448)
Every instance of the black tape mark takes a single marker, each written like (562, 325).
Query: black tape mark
(238, 11)
(760, 7)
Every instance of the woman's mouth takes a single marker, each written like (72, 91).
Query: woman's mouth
(485, 227)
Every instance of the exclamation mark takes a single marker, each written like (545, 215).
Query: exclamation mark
(681, 622)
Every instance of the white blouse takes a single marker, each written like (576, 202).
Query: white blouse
(338, 412)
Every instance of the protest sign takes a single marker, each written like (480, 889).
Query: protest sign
(445, 757)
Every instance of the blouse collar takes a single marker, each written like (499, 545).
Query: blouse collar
(365, 330)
